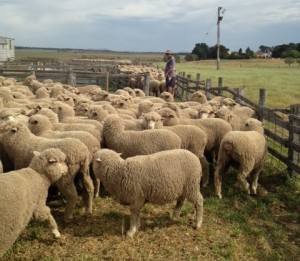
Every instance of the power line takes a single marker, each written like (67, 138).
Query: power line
(209, 29)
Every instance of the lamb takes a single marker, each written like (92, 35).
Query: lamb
(243, 112)
(155, 88)
(246, 148)
(139, 92)
(199, 97)
(18, 142)
(132, 143)
(158, 178)
(23, 195)
(168, 97)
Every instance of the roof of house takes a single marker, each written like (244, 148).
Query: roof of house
(3, 40)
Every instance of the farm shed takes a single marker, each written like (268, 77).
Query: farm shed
(7, 49)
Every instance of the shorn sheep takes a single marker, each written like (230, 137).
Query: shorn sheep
(18, 142)
(158, 178)
(132, 143)
(248, 150)
(23, 195)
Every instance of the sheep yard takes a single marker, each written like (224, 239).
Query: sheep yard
(237, 227)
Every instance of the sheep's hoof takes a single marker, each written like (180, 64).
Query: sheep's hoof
(130, 234)
(56, 233)
(219, 196)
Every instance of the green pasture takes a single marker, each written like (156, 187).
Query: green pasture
(282, 83)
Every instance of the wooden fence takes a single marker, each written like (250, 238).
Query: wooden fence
(282, 126)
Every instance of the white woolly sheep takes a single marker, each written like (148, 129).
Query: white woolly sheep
(214, 128)
(248, 149)
(158, 178)
(23, 195)
(19, 142)
(199, 97)
(132, 143)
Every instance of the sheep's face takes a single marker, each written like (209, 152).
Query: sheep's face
(50, 163)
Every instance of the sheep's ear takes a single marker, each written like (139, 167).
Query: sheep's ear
(36, 153)
(14, 129)
(98, 159)
(52, 160)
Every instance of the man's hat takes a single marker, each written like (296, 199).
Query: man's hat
(168, 52)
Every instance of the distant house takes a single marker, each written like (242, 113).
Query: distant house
(263, 55)
(7, 49)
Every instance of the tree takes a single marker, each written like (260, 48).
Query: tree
(265, 49)
(223, 52)
(249, 52)
(240, 51)
(294, 54)
(289, 60)
(201, 50)
(298, 61)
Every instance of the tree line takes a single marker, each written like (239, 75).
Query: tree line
(202, 51)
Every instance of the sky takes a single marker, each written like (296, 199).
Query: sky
(150, 25)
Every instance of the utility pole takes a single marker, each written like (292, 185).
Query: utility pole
(218, 37)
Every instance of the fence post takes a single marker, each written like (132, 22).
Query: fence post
(197, 81)
(220, 85)
(207, 88)
(294, 136)
(147, 81)
(71, 78)
(107, 81)
(261, 103)
(238, 92)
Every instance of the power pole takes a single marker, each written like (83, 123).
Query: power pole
(218, 36)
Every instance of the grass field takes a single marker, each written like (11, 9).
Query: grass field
(238, 227)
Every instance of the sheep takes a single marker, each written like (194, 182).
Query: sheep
(226, 114)
(139, 92)
(244, 112)
(199, 97)
(213, 127)
(32, 83)
(247, 149)
(66, 114)
(132, 143)
(192, 138)
(23, 195)
(158, 178)
(18, 142)
(168, 97)
(155, 88)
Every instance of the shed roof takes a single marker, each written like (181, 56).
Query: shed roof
(3, 40)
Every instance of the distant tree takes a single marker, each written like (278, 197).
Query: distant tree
(293, 54)
(249, 52)
(224, 52)
(289, 60)
(191, 57)
(298, 61)
(265, 49)
(201, 50)
(240, 51)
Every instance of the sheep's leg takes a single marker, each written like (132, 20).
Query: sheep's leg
(219, 172)
(178, 207)
(134, 218)
(68, 189)
(255, 174)
(43, 213)
(96, 182)
(88, 192)
(199, 210)
(205, 171)
(244, 172)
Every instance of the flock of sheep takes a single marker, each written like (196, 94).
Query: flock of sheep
(141, 148)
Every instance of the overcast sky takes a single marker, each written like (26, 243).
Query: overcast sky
(149, 25)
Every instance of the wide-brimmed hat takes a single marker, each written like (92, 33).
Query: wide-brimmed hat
(168, 52)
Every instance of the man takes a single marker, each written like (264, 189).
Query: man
(170, 72)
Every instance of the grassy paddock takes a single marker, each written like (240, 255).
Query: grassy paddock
(281, 82)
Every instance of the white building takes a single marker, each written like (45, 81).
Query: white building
(7, 49)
